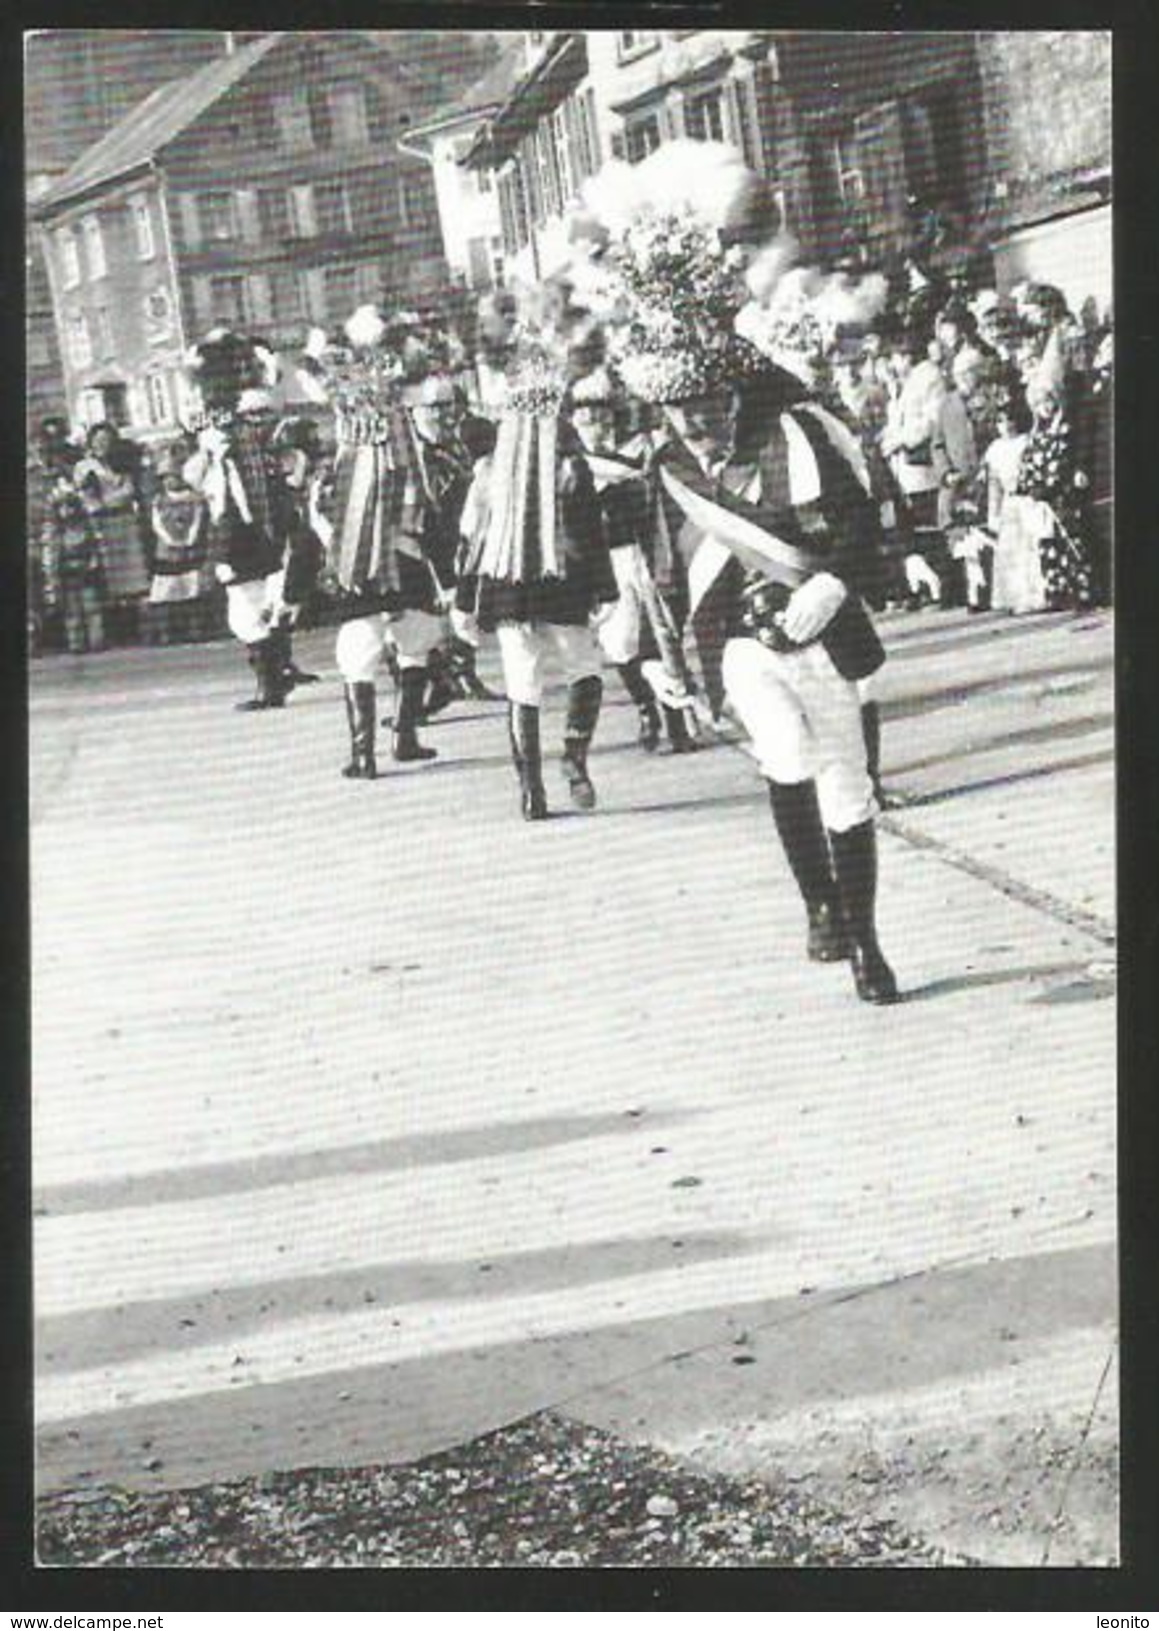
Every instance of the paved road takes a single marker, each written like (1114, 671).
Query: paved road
(367, 1117)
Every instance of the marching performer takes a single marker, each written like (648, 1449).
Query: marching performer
(785, 529)
(389, 594)
(634, 629)
(299, 446)
(535, 562)
(238, 470)
(447, 449)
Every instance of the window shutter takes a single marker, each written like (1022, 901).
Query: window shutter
(247, 209)
(190, 218)
(305, 220)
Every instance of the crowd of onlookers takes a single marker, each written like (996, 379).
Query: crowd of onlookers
(985, 421)
(986, 424)
(119, 543)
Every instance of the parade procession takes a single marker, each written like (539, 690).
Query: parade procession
(568, 574)
(639, 468)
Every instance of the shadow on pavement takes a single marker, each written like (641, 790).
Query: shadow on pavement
(244, 1176)
(976, 981)
(917, 801)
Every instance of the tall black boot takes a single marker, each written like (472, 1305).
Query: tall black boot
(360, 710)
(292, 675)
(798, 821)
(871, 731)
(405, 745)
(855, 863)
(680, 738)
(640, 692)
(266, 664)
(444, 687)
(583, 710)
(523, 730)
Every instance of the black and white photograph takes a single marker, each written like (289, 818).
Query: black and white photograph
(572, 799)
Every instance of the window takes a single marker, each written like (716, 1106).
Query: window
(846, 163)
(69, 259)
(143, 229)
(106, 345)
(94, 247)
(321, 122)
(273, 213)
(286, 296)
(348, 119)
(340, 286)
(633, 43)
(157, 394)
(332, 207)
(543, 155)
(80, 345)
(641, 137)
(158, 311)
(265, 125)
(745, 135)
(227, 299)
(513, 211)
(414, 200)
(218, 217)
(704, 117)
(478, 263)
(291, 111)
(483, 181)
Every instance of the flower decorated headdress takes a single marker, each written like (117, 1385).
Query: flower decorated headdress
(799, 316)
(231, 372)
(541, 340)
(371, 364)
(658, 253)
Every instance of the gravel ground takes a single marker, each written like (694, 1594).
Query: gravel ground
(544, 1493)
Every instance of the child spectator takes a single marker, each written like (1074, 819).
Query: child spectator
(177, 601)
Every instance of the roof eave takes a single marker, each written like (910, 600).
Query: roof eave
(54, 204)
(563, 66)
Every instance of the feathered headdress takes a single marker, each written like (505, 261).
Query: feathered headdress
(371, 364)
(657, 252)
(231, 372)
(542, 340)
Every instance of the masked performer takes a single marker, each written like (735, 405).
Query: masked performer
(239, 472)
(535, 563)
(388, 591)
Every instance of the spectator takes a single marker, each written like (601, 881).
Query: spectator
(108, 480)
(177, 597)
(73, 573)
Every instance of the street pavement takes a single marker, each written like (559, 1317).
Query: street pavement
(368, 1118)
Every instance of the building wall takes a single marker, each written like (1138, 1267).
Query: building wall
(468, 207)
(263, 217)
(1047, 109)
(640, 89)
(117, 311)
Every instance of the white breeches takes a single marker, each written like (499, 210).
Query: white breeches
(527, 647)
(362, 641)
(617, 623)
(804, 721)
(919, 574)
(251, 608)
